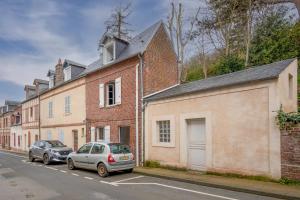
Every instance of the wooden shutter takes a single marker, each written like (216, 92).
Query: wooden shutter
(107, 134)
(118, 86)
(36, 113)
(101, 95)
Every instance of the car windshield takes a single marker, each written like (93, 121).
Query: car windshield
(119, 148)
(55, 143)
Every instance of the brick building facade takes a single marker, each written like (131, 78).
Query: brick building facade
(290, 152)
(149, 69)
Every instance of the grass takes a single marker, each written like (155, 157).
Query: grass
(156, 164)
(283, 181)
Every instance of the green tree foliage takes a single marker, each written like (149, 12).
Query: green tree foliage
(275, 38)
(228, 64)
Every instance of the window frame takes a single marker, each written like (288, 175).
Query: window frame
(67, 73)
(50, 111)
(164, 131)
(156, 133)
(84, 146)
(111, 83)
(68, 105)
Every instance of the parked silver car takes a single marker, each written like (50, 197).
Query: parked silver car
(49, 151)
(104, 158)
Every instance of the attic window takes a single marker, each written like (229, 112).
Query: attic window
(67, 73)
(51, 81)
(109, 52)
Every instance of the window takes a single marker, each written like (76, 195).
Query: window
(291, 88)
(97, 149)
(50, 109)
(67, 105)
(85, 149)
(67, 73)
(49, 135)
(61, 136)
(31, 112)
(109, 53)
(51, 81)
(99, 133)
(164, 131)
(111, 93)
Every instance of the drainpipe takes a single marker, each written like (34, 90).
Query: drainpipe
(137, 114)
(142, 105)
(40, 118)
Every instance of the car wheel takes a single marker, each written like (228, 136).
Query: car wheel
(46, 159)
(102, 171)
(71, 165)
(129, 170)
(31, 158)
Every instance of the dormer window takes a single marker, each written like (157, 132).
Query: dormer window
(109, 52)
(51, 81)
(67, 73)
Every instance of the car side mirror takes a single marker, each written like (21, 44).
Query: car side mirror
(42, 146)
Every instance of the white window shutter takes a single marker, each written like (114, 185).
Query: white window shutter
(92, 134)
(107, 134)
(101, 95)
(118, 86)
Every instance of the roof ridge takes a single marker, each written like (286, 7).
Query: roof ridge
(146, 30)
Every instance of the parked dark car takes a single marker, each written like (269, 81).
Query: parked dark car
(49, 151)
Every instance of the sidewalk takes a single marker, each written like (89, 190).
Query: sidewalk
(270, 189)
(22, 153)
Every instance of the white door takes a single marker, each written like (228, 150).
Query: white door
(196, 144)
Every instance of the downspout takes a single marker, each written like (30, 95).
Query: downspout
(142, 107)
(137, 114)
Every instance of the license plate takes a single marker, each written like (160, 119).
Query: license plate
(124, 158)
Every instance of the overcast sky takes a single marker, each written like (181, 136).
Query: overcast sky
(35, 33)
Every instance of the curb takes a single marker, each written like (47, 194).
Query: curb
(256, 192)
(14, 152)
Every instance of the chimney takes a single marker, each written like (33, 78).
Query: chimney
(59, 73)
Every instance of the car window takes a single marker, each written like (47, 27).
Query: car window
(97, 149)
(55, 143)
(42, 144)
(85, 148)
(119, 148)
(37, 144)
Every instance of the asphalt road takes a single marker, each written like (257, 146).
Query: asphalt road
(20, 179)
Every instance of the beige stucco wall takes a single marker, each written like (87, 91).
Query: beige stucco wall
(68, 134)
(241, 131)
(75, 120)
(32, 122)
(33, 133)
(76, 90)
(18, 131)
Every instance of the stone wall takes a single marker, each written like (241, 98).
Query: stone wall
(290, 152)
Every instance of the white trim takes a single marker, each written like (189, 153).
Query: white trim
(155, 132)
(160, 91)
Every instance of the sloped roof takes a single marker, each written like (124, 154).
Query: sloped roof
(136, 45)
(11, 103)
(70, 62)
(40, 81)
(264, 72)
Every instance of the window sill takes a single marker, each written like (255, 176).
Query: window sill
(67, 114)
(167, 145)
(111, 106)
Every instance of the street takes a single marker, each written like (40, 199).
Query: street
(20, 179)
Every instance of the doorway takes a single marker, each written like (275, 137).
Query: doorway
(196, 144)
(124, 135)
(75, 140)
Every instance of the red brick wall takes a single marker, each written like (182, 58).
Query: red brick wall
(290, 152)
(160, 69)
(115, 116)
(160, 72)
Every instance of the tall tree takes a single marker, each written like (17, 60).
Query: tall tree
(117, 24)
(183, 34)
(275, 38)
